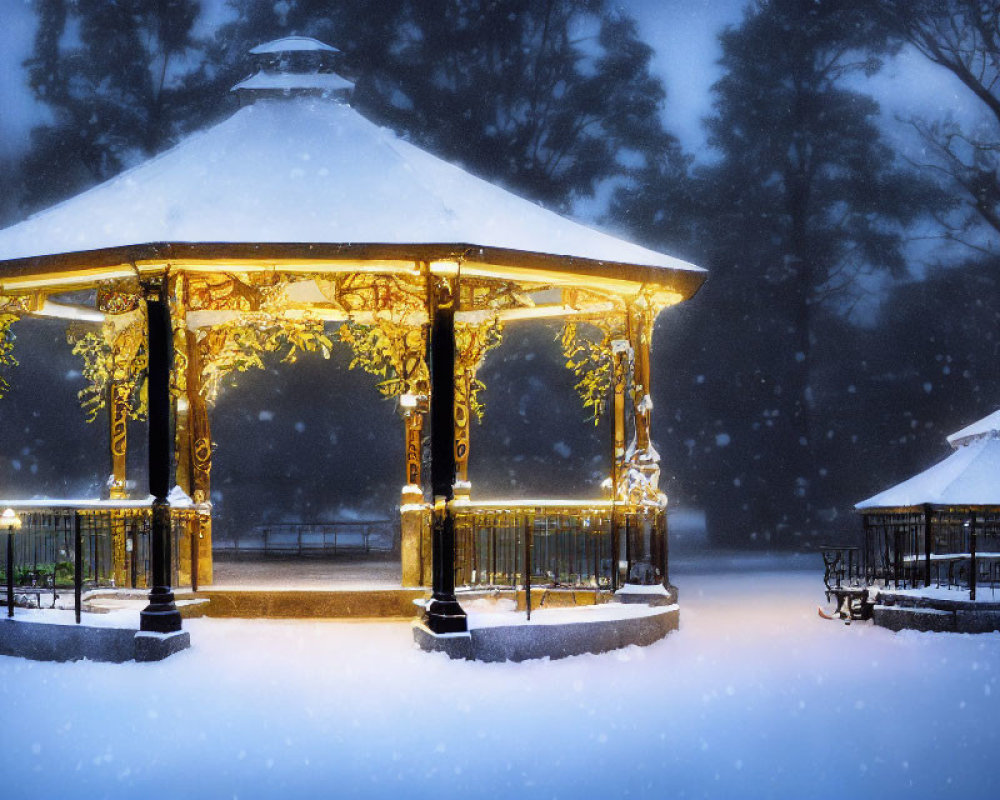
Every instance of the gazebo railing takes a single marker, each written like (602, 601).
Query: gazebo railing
(590, 544)
(115, 539)
(963, 548)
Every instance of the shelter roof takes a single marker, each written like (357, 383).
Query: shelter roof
(987, 426)
(304, 171)
(970, 476)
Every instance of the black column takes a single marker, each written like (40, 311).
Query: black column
(443, 614)
(161, 615)
(10, 572)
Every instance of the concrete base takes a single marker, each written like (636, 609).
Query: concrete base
(526, 641)
(897, 618)
(901, 610)
(918, 619)
(40, 641)
(456, 645)
(656, 595)
(157, 646)
(310, 604)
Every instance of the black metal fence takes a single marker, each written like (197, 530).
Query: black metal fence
(953, 548)
(114, 546)
(573, 545)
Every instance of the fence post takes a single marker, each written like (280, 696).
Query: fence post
(134, 554)
(615, 547)
(492, 533)
(10, 572)
(527, 528)
(664, 533)
(77, 565)
(628, 547)
(897, 562)
(972, 556)
(194, 526)
(928, 544)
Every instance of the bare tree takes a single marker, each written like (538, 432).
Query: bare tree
(963, 37)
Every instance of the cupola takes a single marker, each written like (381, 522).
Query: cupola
(291, 67)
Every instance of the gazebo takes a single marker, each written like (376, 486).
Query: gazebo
(942, 525)
(297, 214)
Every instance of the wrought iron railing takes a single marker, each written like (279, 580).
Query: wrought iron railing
(951, 548)
(596, 544)
(114, 543)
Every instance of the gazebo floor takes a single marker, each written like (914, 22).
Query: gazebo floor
(336, 574)
(315, 603)
(312, 588)
(287, 588)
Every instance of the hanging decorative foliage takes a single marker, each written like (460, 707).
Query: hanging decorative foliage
(390, 351)
(238, 346)
(116, 353)
(6, 349)
(590, 360)
(472, 343)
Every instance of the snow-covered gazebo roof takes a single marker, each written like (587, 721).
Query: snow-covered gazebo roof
(293, 44)
(288, 172)
(987, 427)
(970, 476)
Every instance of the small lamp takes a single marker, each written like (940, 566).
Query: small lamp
(11, 522)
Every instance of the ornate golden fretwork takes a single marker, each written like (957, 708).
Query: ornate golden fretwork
(472, 344)
(414, 448)
(119, 440)
(621, 354)
(233, 291)
(198, 425)
(483, 295)
(396, 298)
(119, 297)
(639, 482)
(14, 306)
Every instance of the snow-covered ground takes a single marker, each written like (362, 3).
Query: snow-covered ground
(755, 696)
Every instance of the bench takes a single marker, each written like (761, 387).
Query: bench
(853, 602)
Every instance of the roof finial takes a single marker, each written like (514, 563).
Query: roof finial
(291, 67)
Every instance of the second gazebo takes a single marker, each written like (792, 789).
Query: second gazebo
(942, 525)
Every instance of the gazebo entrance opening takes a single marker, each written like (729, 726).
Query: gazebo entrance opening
(308, 461)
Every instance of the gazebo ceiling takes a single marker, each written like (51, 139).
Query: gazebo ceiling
(310, 185)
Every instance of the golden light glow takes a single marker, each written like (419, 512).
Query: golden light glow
(10, 521)
(232, 303)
